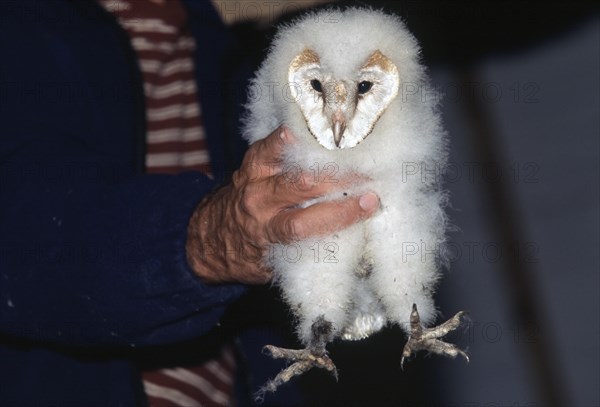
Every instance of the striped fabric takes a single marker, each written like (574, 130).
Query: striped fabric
(210, 384)
(157, 29)
(175, 142)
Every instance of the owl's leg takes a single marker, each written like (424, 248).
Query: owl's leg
(317, 280)
(405, 250)
(315, 355)
(421, 338)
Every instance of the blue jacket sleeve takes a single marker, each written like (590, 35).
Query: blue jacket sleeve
(104, 263)
(91, 252)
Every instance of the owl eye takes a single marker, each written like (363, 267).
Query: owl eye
(364, 87)
(316, 85)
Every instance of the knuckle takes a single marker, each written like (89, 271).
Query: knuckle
(250, 155)
(293, 228)
(238, 179)
(251, 170)
(248, 202)
(283, 230)
(251, 198)
(307, 182)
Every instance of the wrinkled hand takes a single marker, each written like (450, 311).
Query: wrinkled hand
(231, 229)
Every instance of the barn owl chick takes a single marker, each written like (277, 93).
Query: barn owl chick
(340, 81)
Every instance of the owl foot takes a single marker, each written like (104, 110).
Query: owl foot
(427, 338)
(315, 355)
(304, 360)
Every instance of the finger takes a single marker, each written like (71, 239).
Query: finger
(291, 188)
(263, 159)
(270, 148)
(322, 219)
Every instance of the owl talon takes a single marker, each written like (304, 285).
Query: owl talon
(427, 338)
(314, 355)
(304, 360)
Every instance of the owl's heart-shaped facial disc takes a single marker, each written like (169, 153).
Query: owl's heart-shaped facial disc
(341, 112)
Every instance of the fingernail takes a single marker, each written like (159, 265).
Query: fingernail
(368, 201)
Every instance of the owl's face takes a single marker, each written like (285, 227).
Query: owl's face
(341, 112)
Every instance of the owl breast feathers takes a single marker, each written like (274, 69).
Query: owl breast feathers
(349, 86)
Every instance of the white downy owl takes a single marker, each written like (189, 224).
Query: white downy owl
(349, 86)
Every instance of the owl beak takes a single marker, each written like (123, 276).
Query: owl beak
(339, 125)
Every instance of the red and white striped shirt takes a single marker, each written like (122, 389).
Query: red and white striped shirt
(164, 47)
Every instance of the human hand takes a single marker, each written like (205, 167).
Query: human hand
(230, 230)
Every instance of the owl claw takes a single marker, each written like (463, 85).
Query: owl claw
(304, 360)
(427, 338)
(315, 355)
